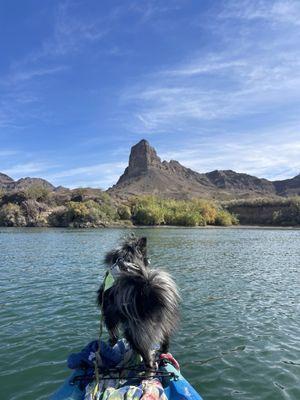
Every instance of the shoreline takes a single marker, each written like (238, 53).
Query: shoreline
(219, 227)
(258, 227)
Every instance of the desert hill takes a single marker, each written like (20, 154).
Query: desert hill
(147, 174)
(8, 183)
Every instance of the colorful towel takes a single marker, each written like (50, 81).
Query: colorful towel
(153, 390)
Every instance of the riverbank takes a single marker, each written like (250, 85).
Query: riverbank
(219, 227)
(94, 209)
(153, 227)
(91, 208)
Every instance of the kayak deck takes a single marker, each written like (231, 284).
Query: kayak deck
(114, 361)
(176, 387)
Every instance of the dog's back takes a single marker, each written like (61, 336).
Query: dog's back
(145, 302)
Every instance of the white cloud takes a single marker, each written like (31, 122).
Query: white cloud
(71, 32)
(90, 170)
(272, 155)
(275, 11)
(28, 74)
(257, 72)
(25, 169)
(8, 153)
(98, 175)
(242, 86)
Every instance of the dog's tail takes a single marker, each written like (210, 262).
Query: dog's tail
(147, 303)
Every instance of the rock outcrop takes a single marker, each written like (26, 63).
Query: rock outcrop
(147, 174)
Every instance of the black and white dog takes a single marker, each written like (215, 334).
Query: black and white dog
(142, 300)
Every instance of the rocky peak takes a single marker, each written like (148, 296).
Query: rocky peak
(8, 183)
(24, 183)
(142, 156)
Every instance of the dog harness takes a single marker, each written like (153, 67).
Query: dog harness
(108, 281)
(115, 270)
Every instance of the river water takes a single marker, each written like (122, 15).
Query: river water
(240, 288)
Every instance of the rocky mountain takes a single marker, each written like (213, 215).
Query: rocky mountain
(147, 174)
(8, 183)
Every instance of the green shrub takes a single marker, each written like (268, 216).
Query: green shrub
(11, 215)
(58, 217)
(224, 218)
(83, 214)
(77, 212)
(187, 219)
(150, 210)
(148, 215)
(37, 192)
(287, 216)
(208, 210)
(124, 212)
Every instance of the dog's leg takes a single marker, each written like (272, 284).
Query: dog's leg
(148, 361)
(112, 321)
(137, 345)
(149, 364)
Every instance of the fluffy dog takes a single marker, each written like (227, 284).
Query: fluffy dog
(143, 301)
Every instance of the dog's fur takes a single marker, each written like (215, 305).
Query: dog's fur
(142, 300)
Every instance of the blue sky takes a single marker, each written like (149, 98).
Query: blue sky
(213, 84)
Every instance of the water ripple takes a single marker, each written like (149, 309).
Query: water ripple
(239, 335)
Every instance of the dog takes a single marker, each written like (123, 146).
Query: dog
(141, 300)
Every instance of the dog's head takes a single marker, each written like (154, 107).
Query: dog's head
(132, 251)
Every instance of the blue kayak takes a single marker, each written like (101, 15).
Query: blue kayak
(176, 387)
(120, 355)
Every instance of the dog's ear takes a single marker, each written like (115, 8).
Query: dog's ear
(142, 244)
(109, 257)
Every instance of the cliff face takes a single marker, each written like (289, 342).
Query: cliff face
(147, 174)
(142, 159)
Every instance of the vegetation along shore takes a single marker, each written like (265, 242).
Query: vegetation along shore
(88, 208)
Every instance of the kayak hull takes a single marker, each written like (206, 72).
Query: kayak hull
(177, 388)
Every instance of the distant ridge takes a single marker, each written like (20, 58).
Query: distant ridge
(8, 183)
(147, 174)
